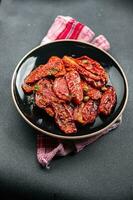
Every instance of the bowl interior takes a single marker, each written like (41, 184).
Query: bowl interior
(41, 55)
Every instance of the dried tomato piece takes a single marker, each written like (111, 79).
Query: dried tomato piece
(90, 111)
(85, 62)
(44, 94)
(69, 63)
(88, 74)
(108, 101)
(64, 118)
(61, 89)
(74, 85)
(94, 93)
(97, 84)
(91, 70)
(86, 113)
(91, 78)
(93, 66)
(28, 88)
(54, 67)
(42, 103)
(36, 74)
(90, 91)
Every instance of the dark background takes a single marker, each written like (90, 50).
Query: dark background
(103, 170)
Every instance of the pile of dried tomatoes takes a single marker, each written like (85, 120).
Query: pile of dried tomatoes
(72, 90)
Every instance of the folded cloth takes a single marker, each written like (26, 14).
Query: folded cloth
(68, 28)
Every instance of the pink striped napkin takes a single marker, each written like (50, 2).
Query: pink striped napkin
(68, 28)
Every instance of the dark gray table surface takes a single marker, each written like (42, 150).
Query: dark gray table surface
(103, 170)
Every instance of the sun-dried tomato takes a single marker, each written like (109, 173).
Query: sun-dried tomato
(36, 74)
(86, 113)
(44, 94)
(89, 111)
(108, 101)
(74, 85)
(97, 84)
(64, 118)
(93, 66)
(94, 73)
(91, 70)
(61, 89)
(90, 91)
(88, 74)
(28, 88)
(69, 63)
(54, 67)
(94, 93)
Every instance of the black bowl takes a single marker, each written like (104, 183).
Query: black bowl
(36, 117)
